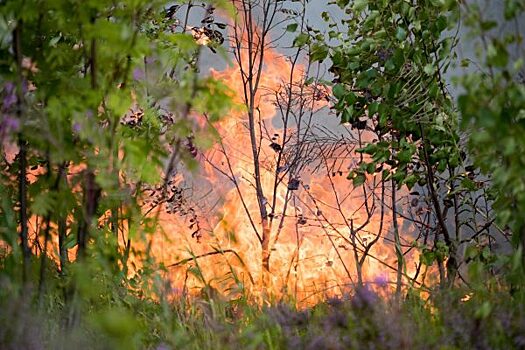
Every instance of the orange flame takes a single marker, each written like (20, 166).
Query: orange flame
(311, 239)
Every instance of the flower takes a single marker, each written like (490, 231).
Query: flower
(9, 86)
(138, 74)
(77, 127)
(364, 298)
(10, 96)
(8, 125)
(9, 100)
(28, 64)
(381, 280)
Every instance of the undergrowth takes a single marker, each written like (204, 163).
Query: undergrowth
(92, 309)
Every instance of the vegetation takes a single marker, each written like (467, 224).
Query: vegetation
(107, 110)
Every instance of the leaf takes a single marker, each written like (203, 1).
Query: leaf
(301, 40)
(411, 180)
(369, 149)
(54, 41)
(488, 25)
(484, 310)
(43, 203)
(428, 257)
(429, 69)
(358, 180)
(401, 34)
(318, 52)
(292, 27)
(359, 5)
(373, 108)
(71, 241)
(497, 54)
(338, 91)
(184, 42)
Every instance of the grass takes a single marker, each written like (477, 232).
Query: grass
(91, 309)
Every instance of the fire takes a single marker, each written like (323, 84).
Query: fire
(314, 251)
(325, 237)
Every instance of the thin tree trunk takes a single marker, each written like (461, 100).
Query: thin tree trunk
(22, 155)
(62, 249)
(358, 265)
(91, 189)
(47, 232)
(451, 265)
(399, 252)
(91, 197)
(251, 78)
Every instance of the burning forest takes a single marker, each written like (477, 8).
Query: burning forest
(261, 174)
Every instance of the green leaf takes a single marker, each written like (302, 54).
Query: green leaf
(358, 180)
(427, 257)
(429, 69)
(184, 42)
(368, 149)
(401, 34)
(292, 27)
(484, 310)
(338, 91)
(497, 54)
(43, 203)
(359, 5)
(301, 40)
(488, 25)
(373, 108)
(318, 52)
(411, 180)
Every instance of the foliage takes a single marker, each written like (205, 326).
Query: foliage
(97, 98)
(492, 107)
(389, 60)
(86, 87)
(388, 63)
(96, 101)
(453, 319)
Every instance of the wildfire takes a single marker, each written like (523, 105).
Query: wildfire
(320, 227)
(324, 237)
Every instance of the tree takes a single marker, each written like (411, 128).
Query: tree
(492, 108)
(83, 128)
(389, 64)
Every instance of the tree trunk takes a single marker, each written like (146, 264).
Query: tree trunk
(91, 197)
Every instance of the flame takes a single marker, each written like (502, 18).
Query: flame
(312, 253)
(313, 243)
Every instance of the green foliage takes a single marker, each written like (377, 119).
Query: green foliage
(492, 108)
(97, 95)
(87, 86)
(388, 64)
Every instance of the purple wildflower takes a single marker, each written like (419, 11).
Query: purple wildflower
(10, 97)
(77, 127)
(381, 280)
(8, 126)
(364, 298)
(9, 100)
(9, 87)
(11, 123)
(138, 74)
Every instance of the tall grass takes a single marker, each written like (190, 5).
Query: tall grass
(102, 312)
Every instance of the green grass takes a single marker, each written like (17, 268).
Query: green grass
(92, 309)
